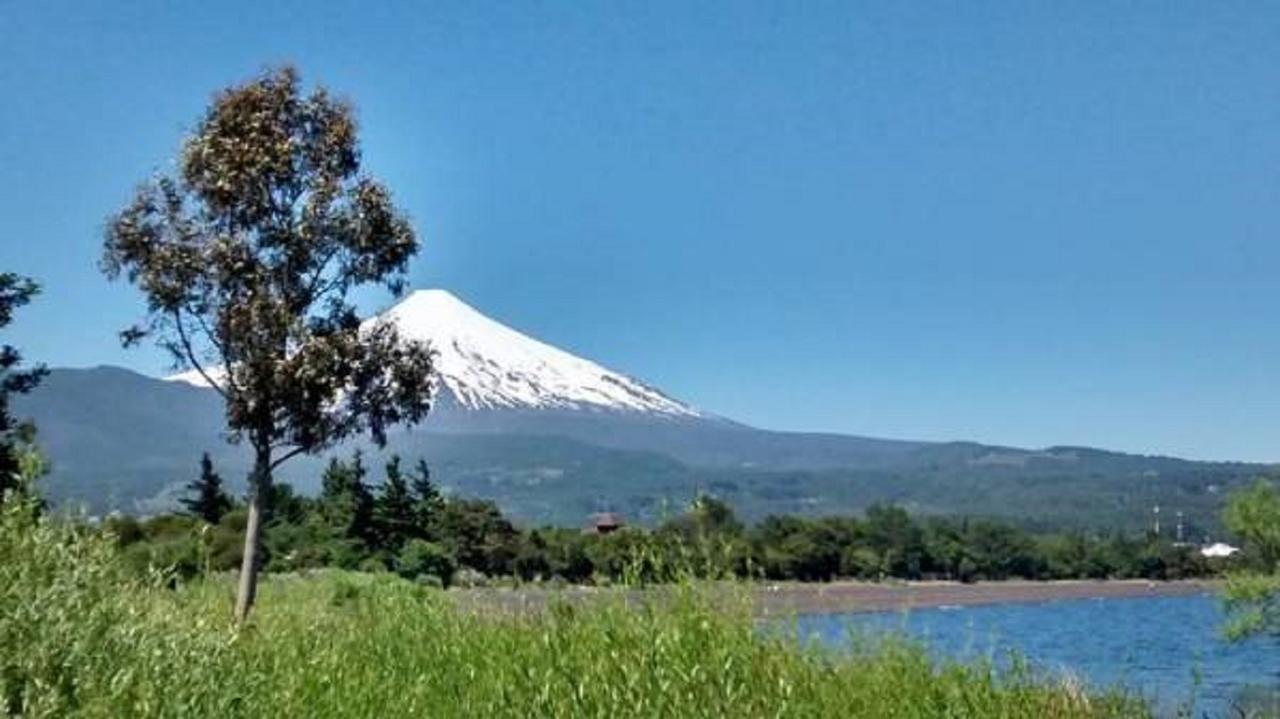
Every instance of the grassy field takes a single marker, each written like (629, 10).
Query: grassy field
(79, 637)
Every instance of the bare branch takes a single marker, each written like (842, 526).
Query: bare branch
(313, 283)
(191, 355)
(222, 350)
(287, 456)
(329, 286)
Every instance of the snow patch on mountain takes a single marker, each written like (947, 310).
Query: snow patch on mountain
(484, 364)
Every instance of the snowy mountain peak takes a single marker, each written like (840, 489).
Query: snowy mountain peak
(484, 364)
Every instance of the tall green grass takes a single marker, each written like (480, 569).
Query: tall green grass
(79, 636)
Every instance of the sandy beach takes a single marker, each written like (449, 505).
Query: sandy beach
(779, 599)
(843, 597)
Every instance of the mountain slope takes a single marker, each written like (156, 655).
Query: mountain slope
(553, 436)
(483, 364)
(120, 440)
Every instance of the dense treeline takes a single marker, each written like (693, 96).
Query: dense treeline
(403, 523)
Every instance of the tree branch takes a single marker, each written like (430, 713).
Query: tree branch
(286, 456)
(191, 355)
(313, 284)
(330, 286)
(222, 350)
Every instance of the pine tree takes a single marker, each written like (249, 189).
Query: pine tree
(345, 501)
(16, 436)
(394, 510)
(428, 502)
(208, 501)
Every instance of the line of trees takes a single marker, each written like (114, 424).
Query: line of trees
(403, 523)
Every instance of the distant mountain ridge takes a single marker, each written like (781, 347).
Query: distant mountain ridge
(553, 436)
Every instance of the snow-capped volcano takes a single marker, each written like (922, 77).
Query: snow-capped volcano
(484, 364)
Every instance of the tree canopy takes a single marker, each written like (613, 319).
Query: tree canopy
(246, 258)
(1253, 595)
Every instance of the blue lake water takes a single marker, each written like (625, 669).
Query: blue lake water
(1168, 648)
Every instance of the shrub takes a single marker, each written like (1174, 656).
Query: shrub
(421, 558)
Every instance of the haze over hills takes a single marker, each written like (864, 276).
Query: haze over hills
(552, 437)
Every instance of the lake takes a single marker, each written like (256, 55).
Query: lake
(1168, 648)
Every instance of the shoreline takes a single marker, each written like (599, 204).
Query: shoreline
(865, 597)
(853, 597)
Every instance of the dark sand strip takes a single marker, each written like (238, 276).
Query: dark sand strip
(842, 597)
(782, 599)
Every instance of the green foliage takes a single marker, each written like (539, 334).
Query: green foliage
(247, 258)
(351, 521)
(395, 516)
(565, 552)
(420, 558)
(82, 637)
(1253, 604)
(16, 437)
(796, 548)
(1252, 596)
(428, 502)
(355, 525)
(478, 534)
(208, 501)
(896, 538)
(57, 609)
(178, 546)
(1253, 514)
(346, 504)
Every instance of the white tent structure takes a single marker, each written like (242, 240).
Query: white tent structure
(1218, 550)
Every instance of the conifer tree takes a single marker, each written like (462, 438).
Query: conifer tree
(16, 436)
(346, 503)
(208, 501)
(428, 502)
(394, 509)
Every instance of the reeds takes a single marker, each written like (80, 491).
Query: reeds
(79, 636)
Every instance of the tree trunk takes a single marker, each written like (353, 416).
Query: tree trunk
(259, 484)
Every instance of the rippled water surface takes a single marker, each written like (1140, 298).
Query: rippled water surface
(1168, 648)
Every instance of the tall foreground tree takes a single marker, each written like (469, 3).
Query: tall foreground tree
(246, 258)
(15, 291)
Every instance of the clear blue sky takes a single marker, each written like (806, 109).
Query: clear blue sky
(1026, 223)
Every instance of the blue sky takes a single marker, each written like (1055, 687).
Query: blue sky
(1025, 223)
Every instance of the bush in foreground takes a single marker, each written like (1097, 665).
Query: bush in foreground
(81, 636)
